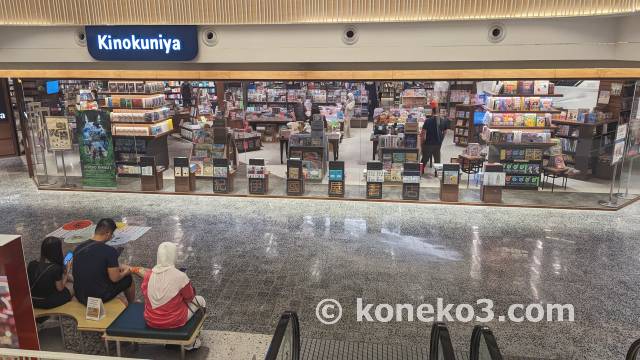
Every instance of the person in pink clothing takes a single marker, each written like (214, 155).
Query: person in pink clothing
(169, 297)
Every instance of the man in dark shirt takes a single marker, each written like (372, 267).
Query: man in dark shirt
(434, 129)
(96, 271)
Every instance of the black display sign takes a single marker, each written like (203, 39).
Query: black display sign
(142, 43)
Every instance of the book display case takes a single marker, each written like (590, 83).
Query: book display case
(140, 123)
(464, 131)
(312, 150)
(519, 123)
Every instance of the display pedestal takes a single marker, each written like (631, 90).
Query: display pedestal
(449, 183)
(259, 186)
(375, 179)
(150, 174)
(258, 177)
(185, 176)
(449, 193)
(222, 177)
(295, 180)
(411, 181)
(336, 179)
(491, 194)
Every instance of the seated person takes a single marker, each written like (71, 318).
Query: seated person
(169, 298)
(48, 276)
(96, 271)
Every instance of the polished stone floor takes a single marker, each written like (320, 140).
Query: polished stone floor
(254, 258)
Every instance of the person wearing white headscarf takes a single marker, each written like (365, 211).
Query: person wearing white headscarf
(170, 299)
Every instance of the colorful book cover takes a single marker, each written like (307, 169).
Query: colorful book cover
(530, 120)
(510, 87)
(541, 87)
(525, 87)
(540, 120)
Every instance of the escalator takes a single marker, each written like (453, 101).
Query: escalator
(286, 344)
(441, 347)
(484, 345)
(634, 351)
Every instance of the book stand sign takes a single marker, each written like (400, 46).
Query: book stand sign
(449, 188)
(411, 181)
(618, 155)
(150, 177)
(221, 181)
(336, 178)
(95, 309)
(184, 175)
(257, 175)
(493, 180)
(59, 137)
(375, 178)
(295, 180)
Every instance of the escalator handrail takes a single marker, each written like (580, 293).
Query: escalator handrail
(440, 334)
(479, 332)
(634, 350)
(287, 317)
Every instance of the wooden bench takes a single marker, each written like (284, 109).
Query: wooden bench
(131, 327)
(74, 309)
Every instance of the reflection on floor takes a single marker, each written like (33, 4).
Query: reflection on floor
(253, 258)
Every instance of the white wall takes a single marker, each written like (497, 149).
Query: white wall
(593, 38)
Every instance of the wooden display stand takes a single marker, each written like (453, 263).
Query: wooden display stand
(411, 181)
(492, 193)
(150, 174)
(18, 322)
(185, 178)
(449, 184)
(375, 179)
(336, 179)
(295, 180)
(258, 177)
(222, 177)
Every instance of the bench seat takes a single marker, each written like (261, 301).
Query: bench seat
(131, 327)
(77, 311)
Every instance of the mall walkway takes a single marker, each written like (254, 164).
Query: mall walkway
(254, 258)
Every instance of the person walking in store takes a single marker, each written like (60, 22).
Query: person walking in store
(49, 276)
(96, 271)
(432, 136)
(169, 297)
(349, 107)
(372, 95)
(299, 110)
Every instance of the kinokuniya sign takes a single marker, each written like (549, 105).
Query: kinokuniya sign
(142, 43)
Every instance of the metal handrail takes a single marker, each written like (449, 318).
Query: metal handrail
(440, 340)
(287, 319)
(634, 350)
(480, 332)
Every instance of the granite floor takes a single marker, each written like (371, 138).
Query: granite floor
(253, 258)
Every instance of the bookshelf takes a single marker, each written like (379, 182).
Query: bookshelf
(311, 149)
(140, 123)
(520, 119)
(464, 131)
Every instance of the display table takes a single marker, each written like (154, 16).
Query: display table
(554, 173)
(470, 164)
(246, 142)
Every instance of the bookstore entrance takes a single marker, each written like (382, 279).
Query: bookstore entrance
(546, 142)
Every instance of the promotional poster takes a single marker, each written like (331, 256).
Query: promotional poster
(96, 148)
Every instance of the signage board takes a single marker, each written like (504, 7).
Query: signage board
(143, 43)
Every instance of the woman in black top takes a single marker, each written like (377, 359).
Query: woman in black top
(48, 276)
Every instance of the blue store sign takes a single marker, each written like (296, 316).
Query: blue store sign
(143, 43)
